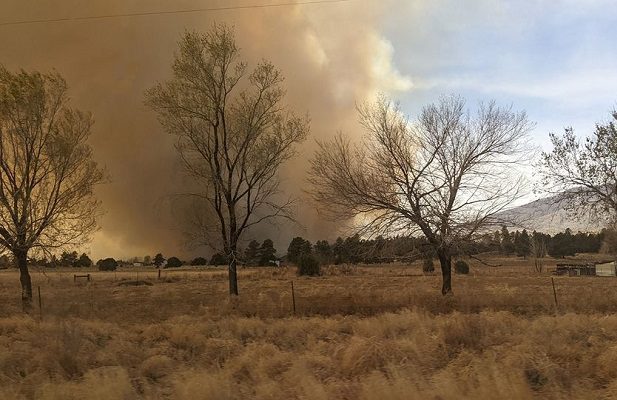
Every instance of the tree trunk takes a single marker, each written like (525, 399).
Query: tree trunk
(24, 278)
(233, 275)
(446, 271)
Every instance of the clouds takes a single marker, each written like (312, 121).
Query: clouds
(553, 58)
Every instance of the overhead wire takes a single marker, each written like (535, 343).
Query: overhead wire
(167, 12)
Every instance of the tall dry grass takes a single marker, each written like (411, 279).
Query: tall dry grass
(359, 333)
(404, 355)
(266, 292)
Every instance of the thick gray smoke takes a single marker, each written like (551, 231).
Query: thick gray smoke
(332, 56)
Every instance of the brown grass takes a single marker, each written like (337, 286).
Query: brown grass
(359, 333)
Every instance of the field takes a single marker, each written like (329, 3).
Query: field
(358, 332)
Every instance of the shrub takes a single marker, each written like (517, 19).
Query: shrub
(108, 264)
(83, 261)
(219, 259)
(309, 266)
(173, 262)
(199, 261)
(461, 267)
(427, 265)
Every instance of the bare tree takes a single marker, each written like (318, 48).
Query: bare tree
(583, 176)
(538, 251)
(232, 139)
(445, 176)
(47, 174)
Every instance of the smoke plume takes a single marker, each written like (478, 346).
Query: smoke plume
(332, 56)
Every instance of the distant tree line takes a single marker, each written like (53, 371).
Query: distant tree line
(65, 259)
(354, 250)
(524, 244)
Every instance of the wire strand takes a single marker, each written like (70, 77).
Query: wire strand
(187, 11)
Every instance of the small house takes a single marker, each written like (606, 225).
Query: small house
(575, 269)
(606, 269)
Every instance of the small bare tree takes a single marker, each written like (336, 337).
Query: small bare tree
(47, 174)
(231, 139)
(582, 177)
(538, 252)
(446, 176)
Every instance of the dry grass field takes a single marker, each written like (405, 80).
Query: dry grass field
(359, 332)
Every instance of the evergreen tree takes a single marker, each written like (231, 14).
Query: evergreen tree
(267, 253)
(507, 245)
(251, 254)
(353, 249)
(522, 244)
(323, 251)
(338, 251)
(159, 260)
(561, 245)
(297, 248)
(497, 239)
(69, 259)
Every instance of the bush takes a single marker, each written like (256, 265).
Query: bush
(83, 261)
(173, 262)
(308, 266)
(461, 267)
(108, 264)
(199, 261)
(427, 266)
(219, 259)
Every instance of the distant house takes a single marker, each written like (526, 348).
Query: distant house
(575, 269)
(138, 264)
(606, 269)
(589, 269)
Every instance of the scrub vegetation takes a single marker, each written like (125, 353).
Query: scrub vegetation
(359, 332)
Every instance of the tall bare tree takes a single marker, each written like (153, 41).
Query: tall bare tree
(445, 176)
(47, 174)
(233, 134)
(582, 177)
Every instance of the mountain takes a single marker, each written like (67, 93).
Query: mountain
(548, 216)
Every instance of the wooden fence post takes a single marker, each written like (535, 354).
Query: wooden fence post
(555, 294)
(40, 303)
(293, 297)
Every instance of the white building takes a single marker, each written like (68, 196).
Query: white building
(605, 269)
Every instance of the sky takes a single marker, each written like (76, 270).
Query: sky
(553, 59)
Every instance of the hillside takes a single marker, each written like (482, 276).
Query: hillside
(546, 215)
